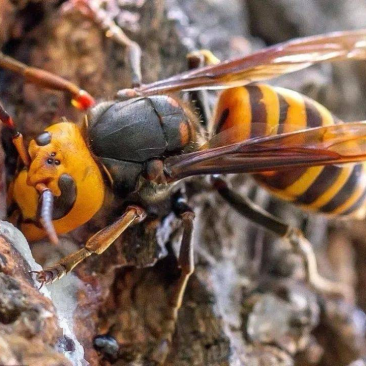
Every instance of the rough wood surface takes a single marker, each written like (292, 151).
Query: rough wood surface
(246, 304)
(29, 331)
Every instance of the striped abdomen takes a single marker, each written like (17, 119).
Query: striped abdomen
(259, 110)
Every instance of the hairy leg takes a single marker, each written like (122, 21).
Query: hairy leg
(293, 235)
(99, 16)
(186, 265)
(17, 137)
(97, 244)
(80, 98)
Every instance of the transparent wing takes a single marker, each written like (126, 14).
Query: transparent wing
(268, 63)
(335, 144)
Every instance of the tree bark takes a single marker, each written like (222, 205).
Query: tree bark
(246, 303)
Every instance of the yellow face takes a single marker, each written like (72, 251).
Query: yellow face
(57, 156)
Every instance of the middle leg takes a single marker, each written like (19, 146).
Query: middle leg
(186, 264)
(199, 98)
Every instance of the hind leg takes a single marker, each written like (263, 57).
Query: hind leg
(293, 235)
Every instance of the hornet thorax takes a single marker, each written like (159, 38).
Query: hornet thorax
(125, 136)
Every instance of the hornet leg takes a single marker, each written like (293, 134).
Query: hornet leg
(113, 31)
(199, 98)
(80, 98)
(17, 137)
(293, 235)
(97, 244)
(186, 264)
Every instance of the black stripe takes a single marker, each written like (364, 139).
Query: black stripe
(222, 120)
(259, 111)
(313, 116)
(284, 106)
(344, 193)
(356, 205)
(322, 183)
(282, 179)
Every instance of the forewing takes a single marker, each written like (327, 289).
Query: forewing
(268, 63)
(335, 144)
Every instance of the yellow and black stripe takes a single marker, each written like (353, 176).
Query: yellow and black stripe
(260, 110)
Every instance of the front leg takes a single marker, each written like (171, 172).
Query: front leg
(80, 98)
(102, 19)
(97, 244)
(17, 137)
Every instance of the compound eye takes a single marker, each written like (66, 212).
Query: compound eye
(43, 139)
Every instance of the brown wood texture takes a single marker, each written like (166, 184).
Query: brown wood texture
(246, 303)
